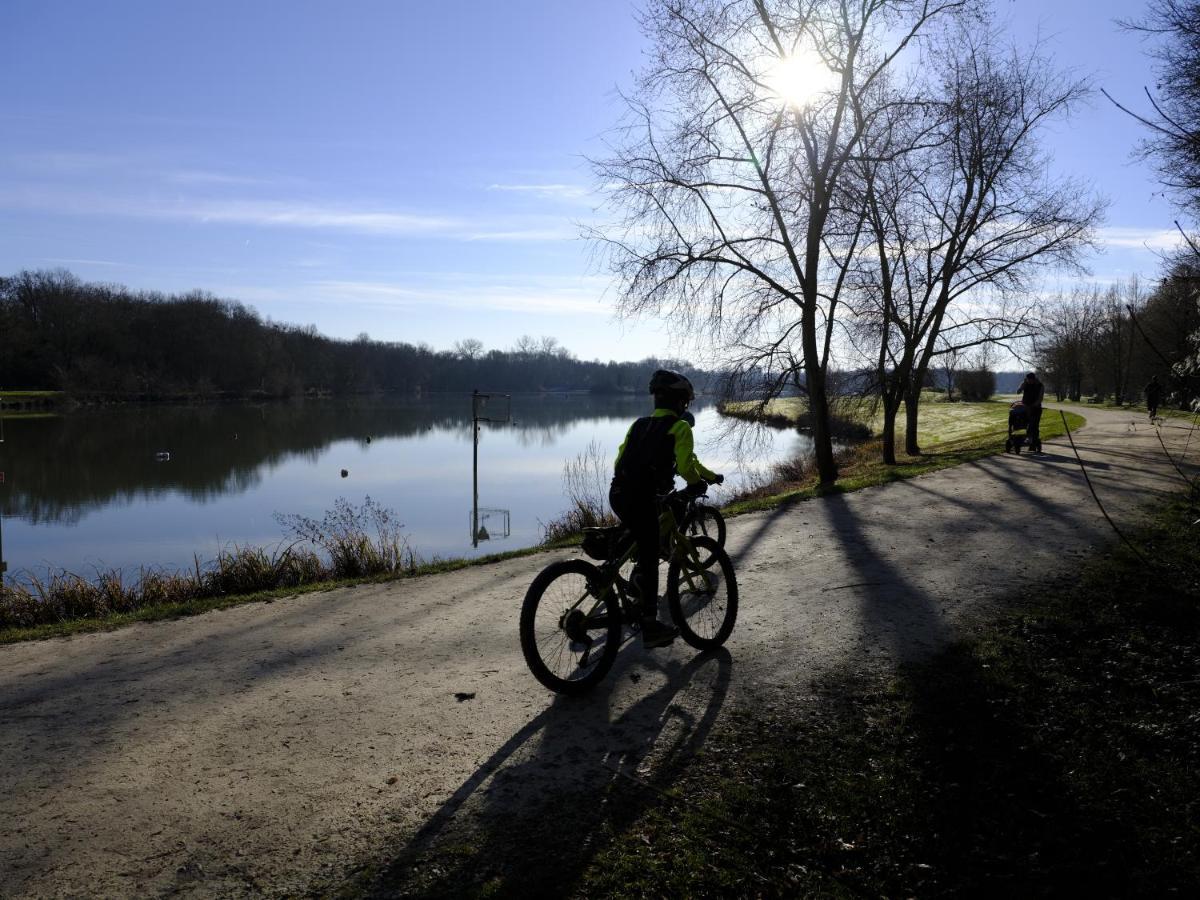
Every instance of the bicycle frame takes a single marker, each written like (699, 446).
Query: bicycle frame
(610, 570)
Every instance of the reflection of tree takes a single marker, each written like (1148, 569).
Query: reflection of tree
(60, 468)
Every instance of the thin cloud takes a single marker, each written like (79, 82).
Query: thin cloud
(62, 261)
(284, 214)
(1163, 239)
(198, 176)
(567, 192)
(269, 213)
(480, 295)
(528, 234)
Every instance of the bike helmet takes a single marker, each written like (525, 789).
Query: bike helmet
(664, 382)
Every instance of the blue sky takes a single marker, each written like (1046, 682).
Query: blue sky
(411, 170)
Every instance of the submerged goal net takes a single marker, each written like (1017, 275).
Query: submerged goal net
(491, 407)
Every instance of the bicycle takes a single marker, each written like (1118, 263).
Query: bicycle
(575, 613)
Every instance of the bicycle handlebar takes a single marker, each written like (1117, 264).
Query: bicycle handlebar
(691, 492)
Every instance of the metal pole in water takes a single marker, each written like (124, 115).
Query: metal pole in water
(3, 564)
(475, 468)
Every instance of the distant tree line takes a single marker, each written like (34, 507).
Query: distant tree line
(1109, 343)
(1161, 332)
(101, 340)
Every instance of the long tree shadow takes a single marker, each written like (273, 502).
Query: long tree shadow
(893, 606)
(987, 796)
(532, 815)
(984, 800)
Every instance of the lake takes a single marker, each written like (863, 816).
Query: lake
(94, 489)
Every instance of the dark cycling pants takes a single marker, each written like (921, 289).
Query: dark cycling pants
(638, 511)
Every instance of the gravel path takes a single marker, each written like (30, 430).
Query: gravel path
(272, 748)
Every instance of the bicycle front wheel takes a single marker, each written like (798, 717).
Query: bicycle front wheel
(569, 636)
(706, 521)
(702, 594)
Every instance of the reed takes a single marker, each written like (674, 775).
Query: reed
(349, 542)
(585, 484)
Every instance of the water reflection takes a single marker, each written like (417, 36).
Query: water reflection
(60, 468)
(84, 490)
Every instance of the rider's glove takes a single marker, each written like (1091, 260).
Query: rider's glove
(720, 479)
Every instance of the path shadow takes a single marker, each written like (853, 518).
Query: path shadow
(895, 610)
(529, 819)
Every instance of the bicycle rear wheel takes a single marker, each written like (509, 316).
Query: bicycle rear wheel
(568, 635)
(702, 595)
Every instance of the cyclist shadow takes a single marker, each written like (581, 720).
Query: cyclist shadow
(531, 816)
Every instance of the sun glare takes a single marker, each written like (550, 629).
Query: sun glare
(799, 79)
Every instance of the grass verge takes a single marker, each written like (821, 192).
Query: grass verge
(155, 612)
(970, 431)
(32, 395)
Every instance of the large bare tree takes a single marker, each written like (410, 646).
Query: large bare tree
(962, 216)
(730, 171)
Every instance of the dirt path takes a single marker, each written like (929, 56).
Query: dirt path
(272, 748)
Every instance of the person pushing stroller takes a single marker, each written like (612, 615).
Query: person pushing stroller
(1026, 414)
(1018, 422)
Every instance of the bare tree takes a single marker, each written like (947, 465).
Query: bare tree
(1173, 120)
(731, 182)
(526, 345)
(1064, 349)
(468, 348)
(960, 221)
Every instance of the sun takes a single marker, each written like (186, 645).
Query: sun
(799, 79)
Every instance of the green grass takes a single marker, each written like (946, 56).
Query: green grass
(939, 419)
(949, 433)
(31, 395)
(1055, 754)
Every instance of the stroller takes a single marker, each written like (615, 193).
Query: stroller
(1019, 421)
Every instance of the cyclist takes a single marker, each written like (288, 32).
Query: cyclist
(655, 449)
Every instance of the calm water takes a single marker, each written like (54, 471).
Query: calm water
(85, 491)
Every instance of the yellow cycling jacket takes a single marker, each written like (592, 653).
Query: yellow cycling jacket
(675, 449)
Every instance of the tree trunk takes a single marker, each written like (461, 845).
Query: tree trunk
(911, 401)
(818, 408)
(890, 409)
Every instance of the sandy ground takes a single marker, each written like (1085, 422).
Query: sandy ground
(273, 748)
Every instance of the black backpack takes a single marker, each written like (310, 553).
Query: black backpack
(648, 461)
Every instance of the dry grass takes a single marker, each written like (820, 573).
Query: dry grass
(585, 484)
(349, 542)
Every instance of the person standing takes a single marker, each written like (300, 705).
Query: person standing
(1032, 393)
(1154, 393)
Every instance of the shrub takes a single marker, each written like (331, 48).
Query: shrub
(975, 385)
(363, 540)
(359, 541)
(585, 484)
